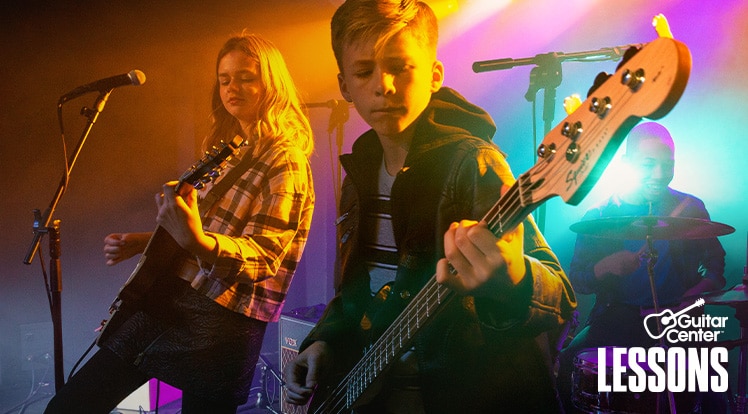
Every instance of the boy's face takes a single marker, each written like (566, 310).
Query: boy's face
(391, 91)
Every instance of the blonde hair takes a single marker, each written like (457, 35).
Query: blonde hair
(280, 109)
(363, 20)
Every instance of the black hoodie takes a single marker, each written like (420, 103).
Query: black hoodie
(452, 171)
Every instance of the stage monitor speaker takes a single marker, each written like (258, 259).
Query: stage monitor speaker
(293, 328)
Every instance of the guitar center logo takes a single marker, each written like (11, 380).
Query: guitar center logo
(687, 361)
(681, 327)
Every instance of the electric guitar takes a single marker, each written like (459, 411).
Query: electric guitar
(571, 158)
(163, 255)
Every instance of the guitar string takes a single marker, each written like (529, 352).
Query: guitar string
(432, 291)
(379, 355)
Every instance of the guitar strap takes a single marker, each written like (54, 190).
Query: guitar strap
(220, 188)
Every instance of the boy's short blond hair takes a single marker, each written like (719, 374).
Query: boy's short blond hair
(364, 20)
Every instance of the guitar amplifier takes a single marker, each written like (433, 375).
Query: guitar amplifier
(292, 329)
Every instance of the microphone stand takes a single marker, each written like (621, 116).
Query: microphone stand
(651, 256)
(263, 401)
(45, 224)
(547, 75)
(338, 117)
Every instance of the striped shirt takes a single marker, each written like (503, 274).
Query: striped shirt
(261, 225)
(381, 252)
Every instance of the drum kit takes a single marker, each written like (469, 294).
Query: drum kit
(656, 227)
(585, 394)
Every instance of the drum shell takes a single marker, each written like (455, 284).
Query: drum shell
(587, 397)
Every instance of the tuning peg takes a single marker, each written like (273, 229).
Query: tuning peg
(601, 106)
(599, 80)
(633, 80)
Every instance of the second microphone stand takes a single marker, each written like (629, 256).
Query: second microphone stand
(339, 114)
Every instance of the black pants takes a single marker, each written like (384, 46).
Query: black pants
(105, 380)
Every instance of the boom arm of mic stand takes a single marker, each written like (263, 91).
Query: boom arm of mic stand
(607, 53)
(42, 222)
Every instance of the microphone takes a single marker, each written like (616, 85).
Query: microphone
(134, 77)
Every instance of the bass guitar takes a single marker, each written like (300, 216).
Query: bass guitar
(647, 83)
(163, 255)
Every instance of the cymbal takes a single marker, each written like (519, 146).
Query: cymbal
(737, 296)
(658, 227)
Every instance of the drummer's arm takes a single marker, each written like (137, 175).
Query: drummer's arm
(705, 285)
(621, 263)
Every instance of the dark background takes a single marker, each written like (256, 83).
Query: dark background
(150, 134)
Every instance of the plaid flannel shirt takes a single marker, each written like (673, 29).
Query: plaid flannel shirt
(261, 225)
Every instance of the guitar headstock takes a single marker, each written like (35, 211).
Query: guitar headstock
(209, 167)
(575, 153)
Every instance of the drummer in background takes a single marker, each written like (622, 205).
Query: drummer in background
(616, 270)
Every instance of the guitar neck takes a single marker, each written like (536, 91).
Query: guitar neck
(505, 215)
(398, 337)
